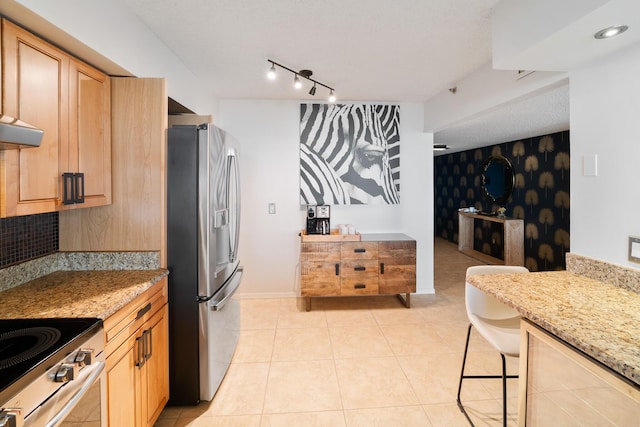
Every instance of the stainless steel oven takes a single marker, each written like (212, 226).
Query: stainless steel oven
(52, 373)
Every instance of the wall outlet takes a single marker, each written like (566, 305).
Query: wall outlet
(272, 208)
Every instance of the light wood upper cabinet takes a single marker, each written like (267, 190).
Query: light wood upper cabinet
(136, 220)
(69, 100)
(35, 84)
(89, 150)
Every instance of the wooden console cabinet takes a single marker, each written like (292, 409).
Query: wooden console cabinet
(378, 264)
(513, 238)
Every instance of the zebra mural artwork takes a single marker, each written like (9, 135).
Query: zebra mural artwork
(349, 154)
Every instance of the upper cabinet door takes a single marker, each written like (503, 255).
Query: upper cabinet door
(35, 86)
(90, 131)
(71, 102)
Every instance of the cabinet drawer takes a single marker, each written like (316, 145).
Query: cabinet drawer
(127, 320)
(359, 285)
(359, 250)
(320, 252)
(359, 267)
(399, 249)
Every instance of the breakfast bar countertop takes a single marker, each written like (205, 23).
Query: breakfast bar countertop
(90, 293)
(599, 319)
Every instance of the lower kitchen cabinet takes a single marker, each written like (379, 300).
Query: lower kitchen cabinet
(559, 385)
(138, 359)
(378, 264)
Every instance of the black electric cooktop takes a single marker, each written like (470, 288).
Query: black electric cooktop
(27, 344)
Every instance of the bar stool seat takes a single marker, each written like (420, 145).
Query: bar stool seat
(496, 322)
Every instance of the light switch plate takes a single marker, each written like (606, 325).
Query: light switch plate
(634, 249)
(272, 208)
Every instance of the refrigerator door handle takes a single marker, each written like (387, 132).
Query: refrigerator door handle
(227, 291)
(233, 161)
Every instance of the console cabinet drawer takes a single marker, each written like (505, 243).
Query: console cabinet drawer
(359, 250)
(367, 285)
(364, 267)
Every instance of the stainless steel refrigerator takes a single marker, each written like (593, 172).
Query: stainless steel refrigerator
(203, 226)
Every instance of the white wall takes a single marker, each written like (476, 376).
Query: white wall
(268, 132)
(605, 117)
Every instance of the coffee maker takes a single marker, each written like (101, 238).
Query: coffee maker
(318, 219)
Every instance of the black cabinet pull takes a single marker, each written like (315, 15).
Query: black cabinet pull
(68, 190)
(337, 269)
(149, 344)
(79, 190)
(360, 286)
(360, 250)
(143, 311)
(359, 268)
(382, 268)
(73, 188)
(140, 351)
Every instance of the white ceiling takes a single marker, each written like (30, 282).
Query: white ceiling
(538, 113)
(368, 50)
(407, 50)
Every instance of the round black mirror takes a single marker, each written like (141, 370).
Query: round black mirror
(497, 179)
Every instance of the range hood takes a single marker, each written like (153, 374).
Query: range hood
(15, 133)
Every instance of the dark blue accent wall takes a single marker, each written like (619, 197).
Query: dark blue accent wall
(540, 197)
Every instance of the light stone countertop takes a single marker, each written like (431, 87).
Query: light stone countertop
(599, 319)
(95, 293)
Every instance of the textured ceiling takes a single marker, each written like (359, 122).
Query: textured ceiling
(537, 114)
(405, 50)
(368, 50)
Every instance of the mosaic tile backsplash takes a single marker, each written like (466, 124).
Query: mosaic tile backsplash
(27, 237)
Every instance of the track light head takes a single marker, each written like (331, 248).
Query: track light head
(296, 82)
(312, 91)
(271, 74)
(332, 97)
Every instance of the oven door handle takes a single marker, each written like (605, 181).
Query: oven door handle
(91, 379)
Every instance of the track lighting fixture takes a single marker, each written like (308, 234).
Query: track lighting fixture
(297, 83)
(271, 74)
(440, 147)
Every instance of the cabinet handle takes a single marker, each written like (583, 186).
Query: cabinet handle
(360, 250)
(149, 349)
(337, 269)
(143, 311)
(359, 268)
(360, 286)
(382, 268)
(140, 351)
(73, 188)
(79, 188)
(68, 189)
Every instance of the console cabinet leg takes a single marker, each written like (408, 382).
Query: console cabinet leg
(406, 299)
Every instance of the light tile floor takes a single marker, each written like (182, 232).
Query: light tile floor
(358, 362)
